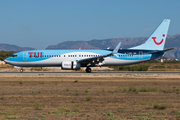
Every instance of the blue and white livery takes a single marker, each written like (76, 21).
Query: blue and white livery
(75, 59)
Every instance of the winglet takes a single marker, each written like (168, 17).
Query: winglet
(117, 48)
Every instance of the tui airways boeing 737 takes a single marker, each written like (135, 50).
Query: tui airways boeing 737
(75, 59)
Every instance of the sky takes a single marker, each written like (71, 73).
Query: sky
(40, 23)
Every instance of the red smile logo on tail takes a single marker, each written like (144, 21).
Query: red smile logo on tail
(154, 38)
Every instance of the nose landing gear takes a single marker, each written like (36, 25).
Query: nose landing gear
(88, 70)
(21, 70)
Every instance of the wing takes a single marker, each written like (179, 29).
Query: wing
(94, 61)
(98, 61)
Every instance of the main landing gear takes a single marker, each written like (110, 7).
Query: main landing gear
(88, 70)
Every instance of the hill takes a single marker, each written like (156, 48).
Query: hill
(8, 47)
(172, 41)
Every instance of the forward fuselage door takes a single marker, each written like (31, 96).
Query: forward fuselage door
(25, 56)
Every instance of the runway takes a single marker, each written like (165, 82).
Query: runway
(93, 73)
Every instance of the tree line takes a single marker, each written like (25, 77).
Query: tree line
(5, 54)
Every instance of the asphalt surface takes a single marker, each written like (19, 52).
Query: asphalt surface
(94, 73)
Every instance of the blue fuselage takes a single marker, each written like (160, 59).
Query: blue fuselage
(45, 58)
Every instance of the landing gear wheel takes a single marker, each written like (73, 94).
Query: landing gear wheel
(21, 70)
(88, 70)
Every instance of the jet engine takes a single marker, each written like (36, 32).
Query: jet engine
(70, 65)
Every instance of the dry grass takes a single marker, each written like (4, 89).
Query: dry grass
(153, 67)
(92, 97)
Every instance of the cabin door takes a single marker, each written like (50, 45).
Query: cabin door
(140, 55)
(25, 56)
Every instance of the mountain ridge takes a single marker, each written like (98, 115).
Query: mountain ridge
(172, 41)
(9, 47)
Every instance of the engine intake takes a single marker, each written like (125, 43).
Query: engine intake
(70, 65)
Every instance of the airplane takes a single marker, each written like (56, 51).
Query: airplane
(75, 59)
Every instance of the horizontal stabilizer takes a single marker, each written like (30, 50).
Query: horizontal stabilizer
(157, 52)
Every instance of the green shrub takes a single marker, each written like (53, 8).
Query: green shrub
(132, 117)
(42, 82)
(12, 117)
(142, 114)
(76, 81)
(20, 82)
(115, 119)
(108, 114)
(124, 89)
(5, 54)
(143, 67)
(103, 89)
(159, 66)
(139, 67)
(56, 82)
(2, 97)
(132, 89)
(2, 112)
(160, 106)
(61, 111)
(76, 92)
(148, 89)
(37, 106)
(151, 119)
(177, 112)
(86, 91)
(143, 103)
(88, 97)
(67, 89)
(134, 68)
(124, 68)
(161, 112)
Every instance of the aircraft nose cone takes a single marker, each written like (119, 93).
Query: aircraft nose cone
(5, 61)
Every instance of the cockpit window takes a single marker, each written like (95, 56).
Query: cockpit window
(14, 55)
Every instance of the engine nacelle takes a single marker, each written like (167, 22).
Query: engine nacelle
(70, 65)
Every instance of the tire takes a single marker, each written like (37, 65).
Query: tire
(21, 70)
(88, 70)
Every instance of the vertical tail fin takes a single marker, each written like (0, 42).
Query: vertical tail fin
(157, 40)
